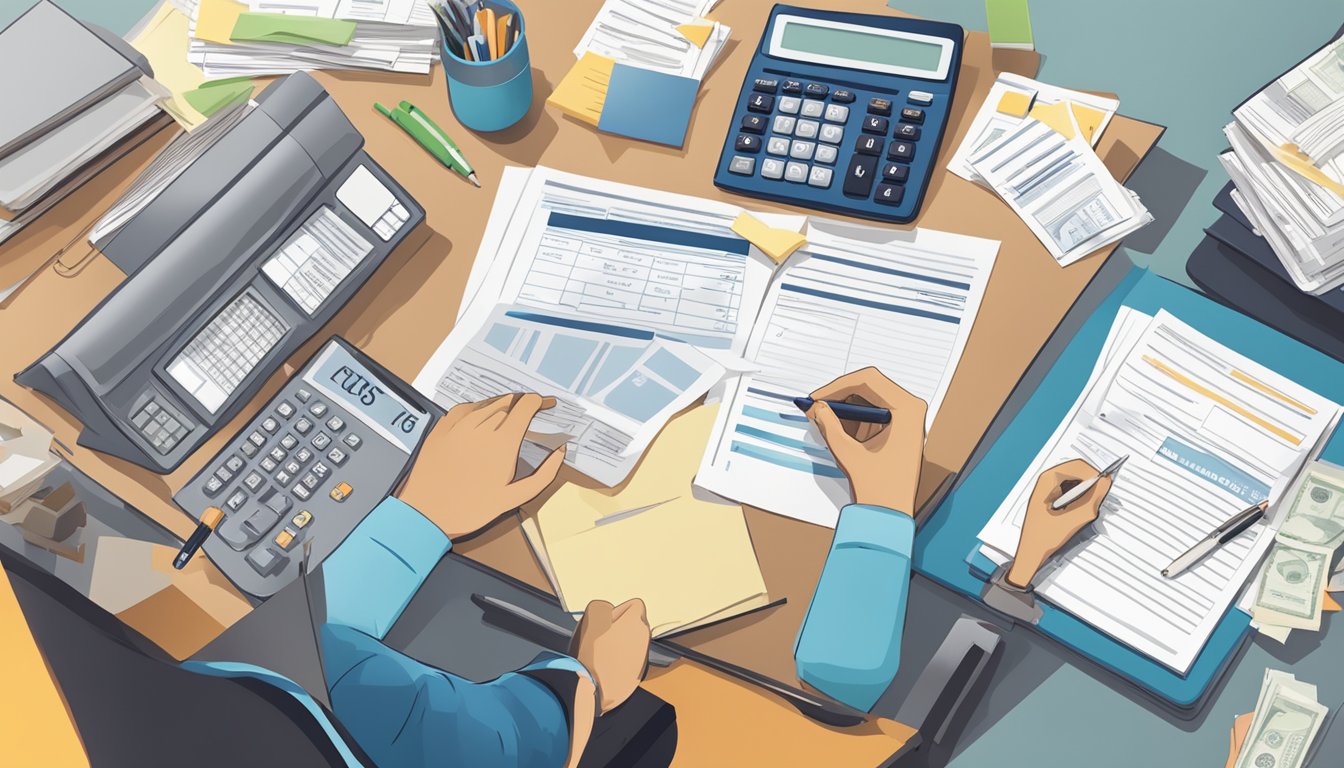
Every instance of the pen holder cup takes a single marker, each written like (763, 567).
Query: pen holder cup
(491, 95)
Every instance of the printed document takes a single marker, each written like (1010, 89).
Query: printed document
(1304, 109)
(1208, 433)
(853, 297)
(643, 33)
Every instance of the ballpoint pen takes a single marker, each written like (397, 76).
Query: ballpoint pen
(431, 137)
(867, 414)
(1076, 492)
(1219, 536)
(209, 520)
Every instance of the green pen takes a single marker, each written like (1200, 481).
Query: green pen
(430, 136)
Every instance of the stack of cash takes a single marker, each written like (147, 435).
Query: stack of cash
(1290, 590)
(1287, 719)
(1287, 162)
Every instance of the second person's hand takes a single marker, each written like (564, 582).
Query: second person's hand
(882, 461)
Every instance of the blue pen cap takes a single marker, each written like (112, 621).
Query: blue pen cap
(491, 95)
(850, 645)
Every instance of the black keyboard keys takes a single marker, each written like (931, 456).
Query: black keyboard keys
(875, 124)
(868, 145)
(765, 85)
(879, 107)
(753, 124)
(792, 87)
(912, 115)
(761, 102)
(817, 90)
(747, 143)
(889, 194)
(859, 175)
(897, 172)
(842, 96)
(901, 151)
(907, 132)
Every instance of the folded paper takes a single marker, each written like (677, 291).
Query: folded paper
(779, 244)
(1015, 103)
(698, 34)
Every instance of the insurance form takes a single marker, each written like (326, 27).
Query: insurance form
(853, 297)
(1208, 432)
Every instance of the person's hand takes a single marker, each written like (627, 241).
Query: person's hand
(613, 644)
(881, 460)
(1046, 530)
(464, 477)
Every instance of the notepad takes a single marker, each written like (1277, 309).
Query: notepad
(583, 91)
(648, 105)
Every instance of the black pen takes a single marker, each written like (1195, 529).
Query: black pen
(209, 519)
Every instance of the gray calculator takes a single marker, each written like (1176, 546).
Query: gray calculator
(326, 450)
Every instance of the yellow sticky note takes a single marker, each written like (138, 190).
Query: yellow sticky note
(1056, 116)
(1089, 120)
(1015, 103)
(1299, 163)
(778, 244)
(216, 20)
(698, 34)
(583, 91)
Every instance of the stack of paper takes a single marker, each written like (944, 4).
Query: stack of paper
(270, 37)
(640, 66)
(1033, 145)
(688, 558)
(1208, 433)
(162, 37)
(1288, 168)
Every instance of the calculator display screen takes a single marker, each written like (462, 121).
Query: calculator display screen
(366, 397)
(861, 47)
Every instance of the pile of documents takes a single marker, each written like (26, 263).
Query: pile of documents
(1286, 163)
(162, 37)
(1291, 591)
(1208, 433)
(1288, 718)
(639, 68)
(269, 37)
(1032, 144)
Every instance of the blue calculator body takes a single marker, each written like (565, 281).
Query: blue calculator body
(843, 112)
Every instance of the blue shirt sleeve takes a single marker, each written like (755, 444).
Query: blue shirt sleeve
(403, 712)
(850, 644)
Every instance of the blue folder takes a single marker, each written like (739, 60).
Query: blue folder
(947, 550)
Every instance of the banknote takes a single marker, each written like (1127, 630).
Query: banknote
(1287, 719)
(1337, 580)
(1315, 516)
(1290, 589)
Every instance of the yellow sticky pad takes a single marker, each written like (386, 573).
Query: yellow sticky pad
(583, 91)
(778, 244)
(696, 33)
(1056, 116)
(216, 19)
(1089, 120)
(1015, 103)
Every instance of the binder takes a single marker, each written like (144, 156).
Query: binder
(947, 550)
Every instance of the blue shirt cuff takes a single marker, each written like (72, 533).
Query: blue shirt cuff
(551, 660)
(876, 527)
(375, 572)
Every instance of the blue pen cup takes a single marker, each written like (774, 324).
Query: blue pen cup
(491, 95)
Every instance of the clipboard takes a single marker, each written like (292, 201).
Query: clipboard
(947, 548)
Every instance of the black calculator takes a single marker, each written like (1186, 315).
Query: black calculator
(327, 449)
(843, 112)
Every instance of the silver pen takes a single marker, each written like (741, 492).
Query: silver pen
(1076, 492)
(1218, 537)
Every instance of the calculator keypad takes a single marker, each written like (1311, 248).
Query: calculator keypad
(806, 132)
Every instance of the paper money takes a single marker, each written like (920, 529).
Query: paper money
(1293, 578)
(1290, 591)
(1315, 518)
(1287, 719)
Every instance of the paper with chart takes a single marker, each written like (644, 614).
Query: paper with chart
(1208, 432)
(1060, 189)
(855, 296)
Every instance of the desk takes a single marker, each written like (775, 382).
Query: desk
(406, 309)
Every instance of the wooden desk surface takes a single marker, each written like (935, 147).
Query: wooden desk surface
(406, 309)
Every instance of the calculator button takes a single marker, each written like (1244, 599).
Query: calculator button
(282, 477)
(302, 426)
(901, 151)
(321, 470)
(310, 482)
(796, 172)
(213, 486)
(353, 441)
(303, 456)
(151, 408)
(264, 561)
(813, 108)
(879, 107)
(907, 132)
(868, 145)
(270, 425)
(321, 440)
(141, 419)
(832, 134)
(772, 168)
(301, 493)
(889, 194)
(895, 172)
(254, 481)
(912, 115)
(288, 442)
(335, 423)
(807, 129)
(761, 102)
(223, 474)
(300, 520)
(765, 85)
(842, 96)
(826, 154)
(257, 439)
(859, 175)
(920, 97)
(318, 409)
(819, 177)
(248, 449)
(792, 86)
(293, 467)
(276, 502)
(285, 410)
(237, 500)
(302, 395)
(234, 463)
(747, 143)
(337, 456)
(753, 124)
(875, 124)
(790, 105)
(783, 124)
(268, 464)
(742, 166)
(802, 150)
(836, 113)
(285, 538)
(777, 146)
(341, 492)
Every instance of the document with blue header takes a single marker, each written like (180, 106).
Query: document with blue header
(1208, 432)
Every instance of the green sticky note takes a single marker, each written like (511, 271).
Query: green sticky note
(293, 30)
(213, 96)
(1009, 24)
